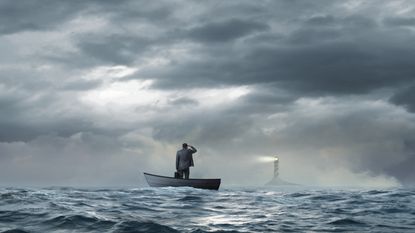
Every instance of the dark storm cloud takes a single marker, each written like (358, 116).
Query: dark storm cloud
(211, 129)
(81, 85)
(18, 131)
(27, 80)
(184, 101)
(400, 21)
(77, 160)
(406, 98)
(358, 23)
(323, 20)
(267, 98)
(30, 111)
(333, 56)
(122, 49)
(114, 49)
(153, 12)
(335, 68)
(33, 103)
(48, 14)
(20, 120)
(36, 15)
(224, 31)
(403, 170)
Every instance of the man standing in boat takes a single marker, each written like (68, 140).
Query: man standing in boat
(184, 160)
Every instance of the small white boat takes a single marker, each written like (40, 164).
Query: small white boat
(165, 181)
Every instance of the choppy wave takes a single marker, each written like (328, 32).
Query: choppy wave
(162, 210)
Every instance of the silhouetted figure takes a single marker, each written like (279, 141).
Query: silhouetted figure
(184, 160)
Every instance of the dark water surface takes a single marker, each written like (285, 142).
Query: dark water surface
(191, 210)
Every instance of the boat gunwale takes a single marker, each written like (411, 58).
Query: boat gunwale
(197, 179)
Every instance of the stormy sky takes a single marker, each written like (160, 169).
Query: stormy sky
(96, 92)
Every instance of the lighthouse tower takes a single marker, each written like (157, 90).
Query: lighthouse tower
(276, 180)
(275, 167)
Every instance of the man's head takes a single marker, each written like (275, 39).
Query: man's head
(185, 145)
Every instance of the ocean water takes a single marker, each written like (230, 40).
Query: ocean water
(251, 209)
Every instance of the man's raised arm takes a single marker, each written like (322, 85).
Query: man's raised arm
(193, 149)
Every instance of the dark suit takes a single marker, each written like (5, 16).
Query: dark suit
(184, 160)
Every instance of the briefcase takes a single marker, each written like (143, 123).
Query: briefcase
(176, 175)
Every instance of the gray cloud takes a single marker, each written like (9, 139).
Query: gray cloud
(224, 31)
(77, 160)
(184, 101)
(37, 15)
(114, 49)
(42, 15)
(22, 122)
(403, 170)
(406, 98)
(81, 85)
(400, 21)
(339, 60)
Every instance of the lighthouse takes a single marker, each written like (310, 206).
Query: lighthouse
(275, 179)
(275, 167)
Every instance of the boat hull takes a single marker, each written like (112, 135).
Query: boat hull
(165, 181)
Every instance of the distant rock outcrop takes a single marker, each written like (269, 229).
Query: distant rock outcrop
(278, 181)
